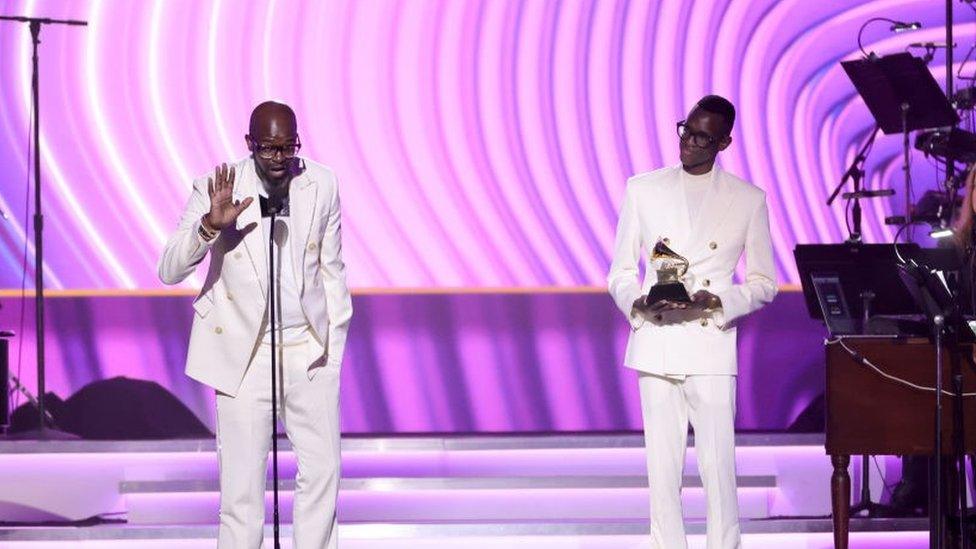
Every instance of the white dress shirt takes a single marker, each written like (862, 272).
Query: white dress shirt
(696, 188)
(290, 321)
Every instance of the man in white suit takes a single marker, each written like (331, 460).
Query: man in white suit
(230, 340)
(685, 353)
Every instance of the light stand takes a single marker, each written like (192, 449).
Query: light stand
(35, 30)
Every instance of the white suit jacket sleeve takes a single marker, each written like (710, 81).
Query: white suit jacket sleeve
(338, 300)
(623, 280)
(186, 248)
(760, 286)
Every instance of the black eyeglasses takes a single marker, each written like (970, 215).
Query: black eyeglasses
(288, 150)
(698, 139)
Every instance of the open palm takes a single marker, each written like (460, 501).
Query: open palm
(223, 208)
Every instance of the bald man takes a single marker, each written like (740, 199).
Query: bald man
(228, 218)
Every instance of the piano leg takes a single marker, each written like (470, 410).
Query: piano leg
(840, 491)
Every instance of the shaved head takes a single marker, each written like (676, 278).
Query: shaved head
(263, 114)
(273, 141)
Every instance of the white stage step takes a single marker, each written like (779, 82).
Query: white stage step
(535, 491)
(449, 499)
(765, 534)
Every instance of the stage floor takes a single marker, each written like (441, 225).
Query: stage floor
(541, 491)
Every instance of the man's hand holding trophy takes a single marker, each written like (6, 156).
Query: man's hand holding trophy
(668, 298)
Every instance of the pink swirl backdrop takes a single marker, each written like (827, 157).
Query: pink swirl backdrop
(479, 143)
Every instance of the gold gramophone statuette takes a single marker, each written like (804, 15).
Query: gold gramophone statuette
(671, 271)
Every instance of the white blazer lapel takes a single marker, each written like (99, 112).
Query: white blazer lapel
(249, 222)
(301, 205)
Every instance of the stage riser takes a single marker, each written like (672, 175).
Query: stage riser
(72, 486)
(750, 461)
(542, 491)
(798, 540)
(451, 505)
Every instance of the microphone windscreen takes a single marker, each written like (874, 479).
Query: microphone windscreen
(280, 231)
(296, 166)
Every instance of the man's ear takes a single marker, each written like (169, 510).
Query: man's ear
(724, 142)
(249, 142)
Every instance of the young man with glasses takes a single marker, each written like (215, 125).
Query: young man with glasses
(685, 352)
(228, 217)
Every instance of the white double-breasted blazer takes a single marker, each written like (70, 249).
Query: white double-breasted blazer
(732, 220)
(231, 308)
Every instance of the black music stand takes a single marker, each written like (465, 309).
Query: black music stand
(949, 326)
(846, 284)
(891, 81)
(903, 96)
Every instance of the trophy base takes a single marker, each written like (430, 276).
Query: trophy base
(671, 291)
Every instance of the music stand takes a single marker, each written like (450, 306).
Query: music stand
(948, 325)
(845, 284)
(888, 82)
(903, 96)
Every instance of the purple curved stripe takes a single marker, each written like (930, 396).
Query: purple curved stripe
(585, 124)
(560, 183)
(617, 119)
(383, 215)
(461, 200)
(515, 145)
(479, 150)
(507, 168)
(423, 201)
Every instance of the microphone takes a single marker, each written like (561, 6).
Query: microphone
(901, 26)
(274, 205)
(279, 233)
(296, 166)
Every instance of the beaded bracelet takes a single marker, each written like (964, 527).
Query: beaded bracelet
(205, 233)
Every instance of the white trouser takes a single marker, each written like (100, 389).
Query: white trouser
(309, 409)
(668, 404)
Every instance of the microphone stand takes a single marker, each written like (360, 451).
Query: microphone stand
(963, 532)
(35, 30)
(907, 167)
(856, 172)
(936, 514)
(274, 207)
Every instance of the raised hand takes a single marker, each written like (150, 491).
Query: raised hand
(223, 209)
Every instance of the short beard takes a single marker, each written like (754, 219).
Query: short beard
(266, 178)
